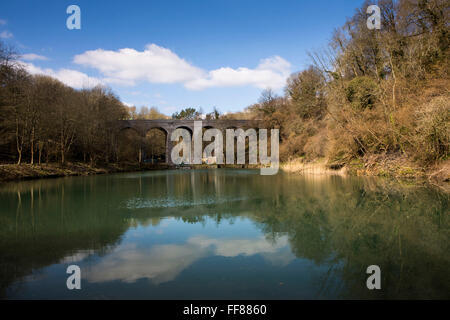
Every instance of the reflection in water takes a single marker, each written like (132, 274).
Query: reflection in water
(222, 234)
(162, 263)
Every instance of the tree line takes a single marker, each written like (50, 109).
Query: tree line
(41, 119)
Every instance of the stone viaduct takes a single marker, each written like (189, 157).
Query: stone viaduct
(168, 126)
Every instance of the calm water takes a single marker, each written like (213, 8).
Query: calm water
(222, 234)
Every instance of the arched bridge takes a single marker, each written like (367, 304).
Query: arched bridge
(168, 126)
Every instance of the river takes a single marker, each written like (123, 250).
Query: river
(223, 234)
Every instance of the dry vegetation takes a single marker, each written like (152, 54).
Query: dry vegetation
(375, 101)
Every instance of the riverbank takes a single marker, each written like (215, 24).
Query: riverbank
(12, 172)
(392, 167)
(379, 166)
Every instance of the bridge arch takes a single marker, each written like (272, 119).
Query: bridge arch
(188, 128)
(155, 145)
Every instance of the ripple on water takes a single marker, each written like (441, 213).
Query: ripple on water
(141, 203)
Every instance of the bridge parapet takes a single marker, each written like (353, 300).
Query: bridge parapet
(170, 125)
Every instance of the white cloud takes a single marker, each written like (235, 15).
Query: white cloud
(271, 72)
(72, 78)
(32, 56)
(2, 22)
(126, 66)
(160, 65)
(6, 35)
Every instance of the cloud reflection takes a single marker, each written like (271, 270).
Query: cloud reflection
(163, 263)
(77, 257)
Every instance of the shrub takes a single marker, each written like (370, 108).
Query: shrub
(361, 93)
(433, 130)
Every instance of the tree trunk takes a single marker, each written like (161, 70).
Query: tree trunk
(20, 157)
(32, 147)
(40, 147)
(61, 144)
(19, 143)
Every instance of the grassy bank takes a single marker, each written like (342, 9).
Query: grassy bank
(11, 172)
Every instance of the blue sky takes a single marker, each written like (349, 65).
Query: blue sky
(174, 54)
